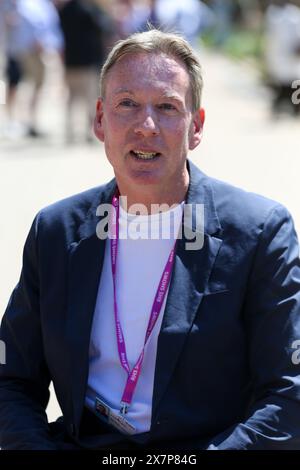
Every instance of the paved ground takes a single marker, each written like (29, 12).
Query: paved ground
(241, 145)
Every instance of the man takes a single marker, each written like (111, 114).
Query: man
(151, 342)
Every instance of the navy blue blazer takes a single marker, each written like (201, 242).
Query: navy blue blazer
(227, 372)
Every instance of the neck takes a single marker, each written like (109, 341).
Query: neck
(151, 199)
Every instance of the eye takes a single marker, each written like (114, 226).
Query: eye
(167, 107)
(127, 103)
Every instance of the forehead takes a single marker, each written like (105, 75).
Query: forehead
(144, 71)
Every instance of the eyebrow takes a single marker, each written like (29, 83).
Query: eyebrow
(166, 94)
(171, 96)
(119, 91)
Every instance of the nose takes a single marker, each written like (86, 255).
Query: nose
(147, 125)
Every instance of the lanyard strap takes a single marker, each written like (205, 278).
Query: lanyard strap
(134, 374)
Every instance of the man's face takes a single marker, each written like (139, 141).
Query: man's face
(146, 121)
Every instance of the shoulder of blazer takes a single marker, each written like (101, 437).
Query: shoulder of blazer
(238, 209)
(74, 218)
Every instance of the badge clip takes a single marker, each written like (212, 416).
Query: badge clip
(124, 408)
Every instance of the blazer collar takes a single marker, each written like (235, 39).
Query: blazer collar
(199, 192)
(88, 226)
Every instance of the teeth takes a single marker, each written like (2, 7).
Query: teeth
(145, 155)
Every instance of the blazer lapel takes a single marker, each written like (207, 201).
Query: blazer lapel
(85, 265)
(189, 283)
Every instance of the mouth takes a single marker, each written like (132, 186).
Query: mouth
(145, 156)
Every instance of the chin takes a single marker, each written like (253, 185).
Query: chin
(145, 178)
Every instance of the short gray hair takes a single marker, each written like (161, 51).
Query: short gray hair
(155, 41)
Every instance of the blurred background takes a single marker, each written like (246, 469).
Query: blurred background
(50, 59)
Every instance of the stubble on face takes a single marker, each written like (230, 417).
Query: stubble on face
(149, 80)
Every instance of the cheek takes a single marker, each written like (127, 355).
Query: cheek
(119, 120)
(113, 134)
(182, 134)
(178, 131)
(108, 152)
(114, 123)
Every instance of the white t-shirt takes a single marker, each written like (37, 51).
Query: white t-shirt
(140, 264)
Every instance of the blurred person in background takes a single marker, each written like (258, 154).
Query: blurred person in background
(87, 30)
(130, 16)
(189, 18)
(282, 53)
(224, 13)
(32, 30)
(13, 71)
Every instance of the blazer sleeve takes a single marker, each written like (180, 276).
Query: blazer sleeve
(24, 377)
(272, 319)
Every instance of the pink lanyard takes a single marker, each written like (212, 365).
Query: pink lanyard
(134, 374)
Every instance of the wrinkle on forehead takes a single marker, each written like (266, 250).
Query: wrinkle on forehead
(152, 63)
(151, 68)
(163, 64)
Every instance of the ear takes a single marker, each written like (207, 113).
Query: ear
(98, 121)
(197, 128)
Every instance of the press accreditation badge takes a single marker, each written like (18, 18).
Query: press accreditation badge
(116, 420)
